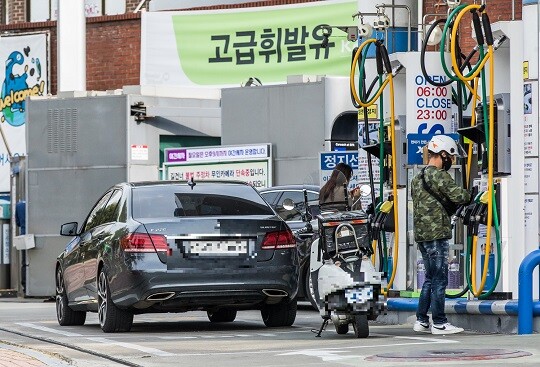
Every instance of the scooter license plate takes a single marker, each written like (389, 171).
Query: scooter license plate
(359, 295)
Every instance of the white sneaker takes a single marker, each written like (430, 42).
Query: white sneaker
(421, 327)
(443, 329)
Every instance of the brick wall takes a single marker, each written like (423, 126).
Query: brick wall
(16, 11)
(113, 50)
(113, 42)
(498, 10)
(131, 5)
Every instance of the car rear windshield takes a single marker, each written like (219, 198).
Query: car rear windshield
(165, 201)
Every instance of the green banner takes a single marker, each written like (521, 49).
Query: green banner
(229, 47)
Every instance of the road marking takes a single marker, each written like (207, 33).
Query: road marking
(331, 354)
(326, 356)
(153, 351)
(140, 348)
(216, 336)
(47, 329)
(328, 350)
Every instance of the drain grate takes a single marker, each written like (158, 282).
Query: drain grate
(446, 355)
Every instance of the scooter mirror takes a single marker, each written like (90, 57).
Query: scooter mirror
(288, 204)
(365, 190)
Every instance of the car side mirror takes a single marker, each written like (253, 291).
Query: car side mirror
(69, 229)
(365, 190)
(288, 204)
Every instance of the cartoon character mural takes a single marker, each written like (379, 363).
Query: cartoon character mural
(16, 88)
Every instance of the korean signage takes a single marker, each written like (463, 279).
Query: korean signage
(329, 161)
(363, 160)
(530, 119)
(226, 47)
(429, 108)
(248, 163)
(211, 154)
(23, 73)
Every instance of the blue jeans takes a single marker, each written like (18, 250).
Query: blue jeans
(435, 256)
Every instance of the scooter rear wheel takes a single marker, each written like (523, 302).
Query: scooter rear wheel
(342, 328)
(361, 326)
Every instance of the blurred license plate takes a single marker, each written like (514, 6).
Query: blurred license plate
(223, 247)
(359, 295)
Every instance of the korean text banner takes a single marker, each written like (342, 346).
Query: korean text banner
(227, 47)
(23, 73)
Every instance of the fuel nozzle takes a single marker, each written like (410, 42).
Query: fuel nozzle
(499, 41)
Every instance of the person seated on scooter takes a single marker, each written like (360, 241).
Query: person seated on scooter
(332, 194)
(433, 228)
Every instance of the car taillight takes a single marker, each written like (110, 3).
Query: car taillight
(278, 240)
(143, 242)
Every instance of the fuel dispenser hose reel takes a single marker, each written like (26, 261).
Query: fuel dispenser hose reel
(483, 34)
(383, 64)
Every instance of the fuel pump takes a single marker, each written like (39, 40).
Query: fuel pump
(488, 125)
(385, 149)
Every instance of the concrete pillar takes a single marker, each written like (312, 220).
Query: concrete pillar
(71, 46)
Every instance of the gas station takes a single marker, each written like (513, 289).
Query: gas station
(402, 77)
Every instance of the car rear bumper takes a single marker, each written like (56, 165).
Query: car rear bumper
(164, 290)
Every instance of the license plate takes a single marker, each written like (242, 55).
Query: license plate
(214, 247)
(359, 295)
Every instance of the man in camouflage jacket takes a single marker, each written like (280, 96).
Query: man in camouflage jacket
(432, 229)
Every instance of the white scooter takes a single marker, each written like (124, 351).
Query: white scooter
(347, 287)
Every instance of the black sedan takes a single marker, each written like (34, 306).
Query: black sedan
(276, 196)
(175, 247)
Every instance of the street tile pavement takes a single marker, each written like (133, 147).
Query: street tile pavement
(14, 356)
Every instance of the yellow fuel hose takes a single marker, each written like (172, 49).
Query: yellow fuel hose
(453, 47)
(352, 82)
(478, 291)
(394, 179)
(388, 81)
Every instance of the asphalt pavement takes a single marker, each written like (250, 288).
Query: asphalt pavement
(30, 336)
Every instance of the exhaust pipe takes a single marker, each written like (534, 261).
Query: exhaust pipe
(275, 293)
(163, 296)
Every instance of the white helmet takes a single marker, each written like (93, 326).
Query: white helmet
(440, 143)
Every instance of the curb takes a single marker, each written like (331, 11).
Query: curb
(463, 306)
(15, 354)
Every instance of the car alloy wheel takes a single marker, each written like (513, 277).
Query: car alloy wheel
(111, 318)
(64, 314)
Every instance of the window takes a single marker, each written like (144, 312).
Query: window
(168, 201)
(270, 196)
(298, 198)
(96, 215)
(43, 10)
(122, 216)
(112, 210)
(105, 211)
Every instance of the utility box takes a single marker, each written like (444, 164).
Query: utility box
(78, 146)
(301, 119)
